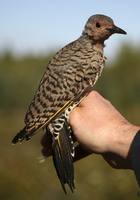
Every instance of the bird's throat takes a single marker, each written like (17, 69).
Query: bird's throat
(99, 46)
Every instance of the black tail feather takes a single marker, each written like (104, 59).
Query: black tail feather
(62, 157)
(22, 135)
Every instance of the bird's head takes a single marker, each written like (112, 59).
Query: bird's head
(101, 27)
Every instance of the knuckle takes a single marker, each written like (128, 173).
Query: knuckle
(94, 94)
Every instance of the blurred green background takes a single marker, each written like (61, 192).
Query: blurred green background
(21, 174)
(29, 30)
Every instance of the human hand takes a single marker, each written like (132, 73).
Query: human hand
(113, 160)
(98, 126)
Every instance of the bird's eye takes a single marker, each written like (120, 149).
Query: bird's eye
(98, 25)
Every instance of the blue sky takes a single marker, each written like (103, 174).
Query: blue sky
(41, 25)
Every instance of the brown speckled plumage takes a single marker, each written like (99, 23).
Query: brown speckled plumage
(71, 71)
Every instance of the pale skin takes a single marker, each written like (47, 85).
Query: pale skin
(99, 127)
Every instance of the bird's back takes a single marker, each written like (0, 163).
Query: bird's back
(68, 73)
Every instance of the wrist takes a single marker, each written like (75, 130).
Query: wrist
(123, 138)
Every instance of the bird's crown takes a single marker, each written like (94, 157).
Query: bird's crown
(101, 27)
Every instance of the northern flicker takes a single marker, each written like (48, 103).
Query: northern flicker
(68, 78)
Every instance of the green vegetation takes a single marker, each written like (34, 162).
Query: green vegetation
(22, 176)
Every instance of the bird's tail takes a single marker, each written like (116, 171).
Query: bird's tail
(22, 135)
(63, 150)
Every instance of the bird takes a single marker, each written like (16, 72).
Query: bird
(68, 78)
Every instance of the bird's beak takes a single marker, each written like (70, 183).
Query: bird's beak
(118, 30)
